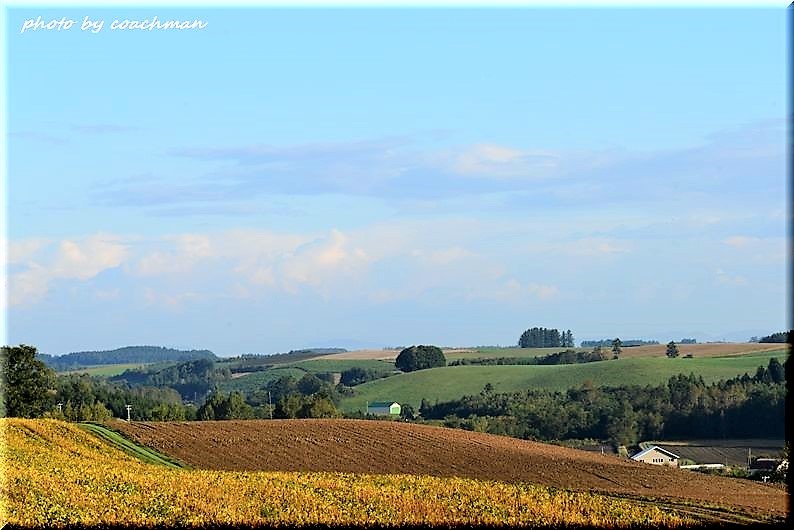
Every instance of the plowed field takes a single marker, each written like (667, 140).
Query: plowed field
(382, 447)
(715, 349)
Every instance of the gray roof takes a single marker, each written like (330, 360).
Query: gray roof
(651, 448)
(383, 403)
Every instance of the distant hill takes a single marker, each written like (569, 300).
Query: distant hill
(127, 354)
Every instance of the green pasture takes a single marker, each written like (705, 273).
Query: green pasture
(494, 352)
(256, 380)
(145, 454)
(340, 365)
(104, 370)
(452, 382)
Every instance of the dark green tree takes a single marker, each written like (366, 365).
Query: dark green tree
(616, 348)
(776, 371)
(420, 358)
(309, 384)
(672, 349)
(27, 386)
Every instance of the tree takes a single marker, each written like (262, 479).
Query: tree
(672, 349)
(309, 384)
(616, 348)
(420, 358)
(776, 371)
(780, 336)
(28, 385)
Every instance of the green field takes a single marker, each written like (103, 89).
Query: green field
(453, 382)
(340, 365)
(494, 352)
(144, 454)
(257, 380)
(104, 370)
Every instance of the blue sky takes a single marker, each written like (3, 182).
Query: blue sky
(372, 177)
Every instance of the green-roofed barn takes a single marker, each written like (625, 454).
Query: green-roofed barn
(384, 408)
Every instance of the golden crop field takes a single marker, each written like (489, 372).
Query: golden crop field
(56, 474)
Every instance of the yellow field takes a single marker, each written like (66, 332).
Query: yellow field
(56, 474)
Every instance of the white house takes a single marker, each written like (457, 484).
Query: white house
(657, 455)
(384, 408)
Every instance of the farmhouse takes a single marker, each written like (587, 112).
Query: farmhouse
(657, 455)
(384, 408)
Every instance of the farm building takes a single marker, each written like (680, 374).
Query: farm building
(657, 455)
(384, 408)
(765, 466)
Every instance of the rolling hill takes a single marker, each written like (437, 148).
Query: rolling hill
(453, 382)
(384, 447)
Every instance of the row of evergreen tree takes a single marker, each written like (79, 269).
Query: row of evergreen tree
(546, 338)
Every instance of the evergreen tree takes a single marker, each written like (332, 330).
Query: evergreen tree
(672, 349)
(776, 371)
(616, 348)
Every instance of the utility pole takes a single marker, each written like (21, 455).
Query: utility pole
(269, 405)
(129, 408)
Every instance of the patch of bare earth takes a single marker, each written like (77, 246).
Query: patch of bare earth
(717, 349)
(359, 355)
(383, 447)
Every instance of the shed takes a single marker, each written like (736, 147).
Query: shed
(384, 408)
(657, 455)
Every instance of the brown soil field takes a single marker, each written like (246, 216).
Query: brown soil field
(357, 355)
(385, 447)
(717, 349)
(703, 350)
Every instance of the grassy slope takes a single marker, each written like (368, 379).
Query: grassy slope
(479, 353)
(340, 365)
(452, 382)
(104, 370)
(145, 454)
(257, 380)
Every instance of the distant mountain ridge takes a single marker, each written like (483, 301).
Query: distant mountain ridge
(127, 354)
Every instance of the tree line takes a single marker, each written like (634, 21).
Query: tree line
(128, 354)
(686, 407)
(608, 342)
(563, 357)
(546, 338)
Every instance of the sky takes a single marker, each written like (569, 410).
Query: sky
(360, 177)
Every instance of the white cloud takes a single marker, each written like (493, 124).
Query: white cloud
(583, 247)
(77, 259)
(760, 250)
(28, 286)
(88, 257)
(740, 241)
(156, 298)
(319, 261)
(729, 279)
(496, 161)
(23, 250)
(513, 290)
